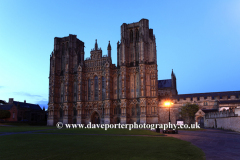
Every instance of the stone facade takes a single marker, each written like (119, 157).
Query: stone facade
(95, 90)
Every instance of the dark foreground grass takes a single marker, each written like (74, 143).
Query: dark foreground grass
(38, 146)
(23, 128)
(103, 131)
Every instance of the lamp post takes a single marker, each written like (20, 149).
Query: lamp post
(168, 103)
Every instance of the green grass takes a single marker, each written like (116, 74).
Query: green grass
(38, 146)
(103, 131)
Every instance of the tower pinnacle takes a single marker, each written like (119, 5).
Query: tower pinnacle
(96, 45)
(109, 48)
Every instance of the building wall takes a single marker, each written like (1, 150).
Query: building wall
(204, 102)
(14, 114)
(228, 123)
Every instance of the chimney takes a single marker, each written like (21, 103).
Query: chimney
(24, 101)
(10, 101)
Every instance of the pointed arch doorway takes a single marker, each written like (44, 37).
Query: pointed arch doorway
(95, 118)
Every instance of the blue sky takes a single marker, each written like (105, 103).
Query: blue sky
(199, 40)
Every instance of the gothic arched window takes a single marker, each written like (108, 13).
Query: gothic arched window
(103, 88)
(96, 88)
(137, 35)
(74, 111)
(133, 111)
(60, 113)
(89, 89)
(62, 92)
(120, 86)
(74, 91)
(63, 58)
(138, 110)
(131, 36)
(118, 109)
(137, 85)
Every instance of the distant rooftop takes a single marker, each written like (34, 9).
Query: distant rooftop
(166, 83)
(27, 105)
(212, 94)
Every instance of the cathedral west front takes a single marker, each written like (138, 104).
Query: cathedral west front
(97, 91)
(83, 90)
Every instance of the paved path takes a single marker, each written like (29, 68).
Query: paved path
(216, 144)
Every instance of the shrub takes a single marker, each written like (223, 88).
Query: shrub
(4, 114)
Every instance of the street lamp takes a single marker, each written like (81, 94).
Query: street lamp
(168, 103)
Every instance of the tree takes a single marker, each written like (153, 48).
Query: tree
(4, 114)
(188, 112)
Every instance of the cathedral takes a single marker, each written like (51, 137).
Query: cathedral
(83, 90)
(97, 91)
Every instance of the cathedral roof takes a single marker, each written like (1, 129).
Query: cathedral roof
(212, 94)
(164, 83)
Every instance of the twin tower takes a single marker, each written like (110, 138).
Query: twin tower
(97, 91)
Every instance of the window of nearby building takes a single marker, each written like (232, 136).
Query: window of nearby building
(13, 115)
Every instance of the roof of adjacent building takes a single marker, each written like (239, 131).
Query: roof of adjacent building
(3, 102)
(27, 105)
(164, 83)
(6, 106)
(212, 94)
(209, 110)
(229, 102)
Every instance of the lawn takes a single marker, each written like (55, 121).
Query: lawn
(54, 146)
(53, 129)
(103, 131)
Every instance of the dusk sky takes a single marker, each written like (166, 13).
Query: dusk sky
(199, 40)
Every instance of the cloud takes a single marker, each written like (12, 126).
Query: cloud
(2, 87)
(27, 94)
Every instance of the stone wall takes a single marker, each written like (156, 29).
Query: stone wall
(225, 120)
(221, 114)
(231, 123)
